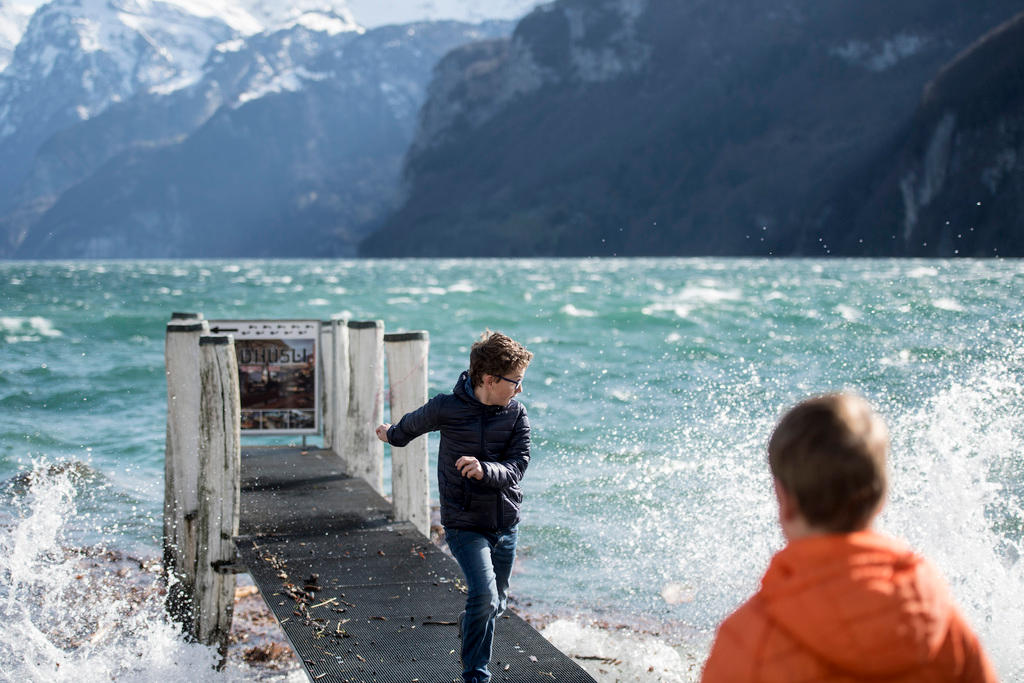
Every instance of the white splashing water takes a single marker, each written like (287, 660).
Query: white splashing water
(957, 496)
(60, 622)
(621, 655)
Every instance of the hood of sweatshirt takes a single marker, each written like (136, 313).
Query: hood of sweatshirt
(861, 601)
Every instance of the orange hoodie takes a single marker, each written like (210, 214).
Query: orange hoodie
(848, 607)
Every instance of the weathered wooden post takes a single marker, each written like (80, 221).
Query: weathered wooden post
(362, 452)
(327, 382)
(219, 477)
(181, 462)
(339, 384)
(407, 378)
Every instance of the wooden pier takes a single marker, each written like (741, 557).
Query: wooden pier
(357, 586)
(360, 596)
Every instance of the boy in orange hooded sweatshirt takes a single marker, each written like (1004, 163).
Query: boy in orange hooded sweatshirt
(841, 602)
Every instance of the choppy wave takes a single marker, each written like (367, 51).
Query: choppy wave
(74, 472)
(84, 615)
(947, 304)
(54, 628)
(31, 329)
(647, 497)
(574, 312)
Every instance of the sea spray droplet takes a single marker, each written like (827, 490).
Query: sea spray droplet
(677, 593)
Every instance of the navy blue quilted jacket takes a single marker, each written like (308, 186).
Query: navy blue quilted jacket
(499, 437)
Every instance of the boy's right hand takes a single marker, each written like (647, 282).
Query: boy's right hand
(382, 432)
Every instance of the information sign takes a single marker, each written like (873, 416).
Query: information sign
(277, 374)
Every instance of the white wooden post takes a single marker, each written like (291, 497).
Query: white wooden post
(407, 378)
(327, 396)
(362, 452)
(181, 462)
(340, 382)
(220, 454)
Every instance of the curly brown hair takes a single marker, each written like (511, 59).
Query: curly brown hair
(496, 354)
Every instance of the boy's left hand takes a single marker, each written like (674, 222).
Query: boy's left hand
(469, 467)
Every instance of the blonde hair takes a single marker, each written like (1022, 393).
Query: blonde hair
(829, 452)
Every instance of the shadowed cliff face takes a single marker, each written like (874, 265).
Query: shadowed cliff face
(953, 184)
(676, 127)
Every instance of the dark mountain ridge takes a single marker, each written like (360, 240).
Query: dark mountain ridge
(953, 184)
(663, 127)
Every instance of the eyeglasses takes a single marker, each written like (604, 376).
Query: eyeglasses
(517, 382)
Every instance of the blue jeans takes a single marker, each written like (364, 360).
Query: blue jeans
(486, 560)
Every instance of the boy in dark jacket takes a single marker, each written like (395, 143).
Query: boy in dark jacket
(482, 456)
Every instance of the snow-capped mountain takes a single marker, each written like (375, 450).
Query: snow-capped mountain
(253, 16)
(372, 13)
(244, 16)
(77, 57)
(94, 52)
(103, 51)
(14, 18)
(116, 83)
(305, 126)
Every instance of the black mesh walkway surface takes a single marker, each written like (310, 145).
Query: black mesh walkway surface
(360, 597)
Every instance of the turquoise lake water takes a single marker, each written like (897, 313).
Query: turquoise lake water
(653, 390)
